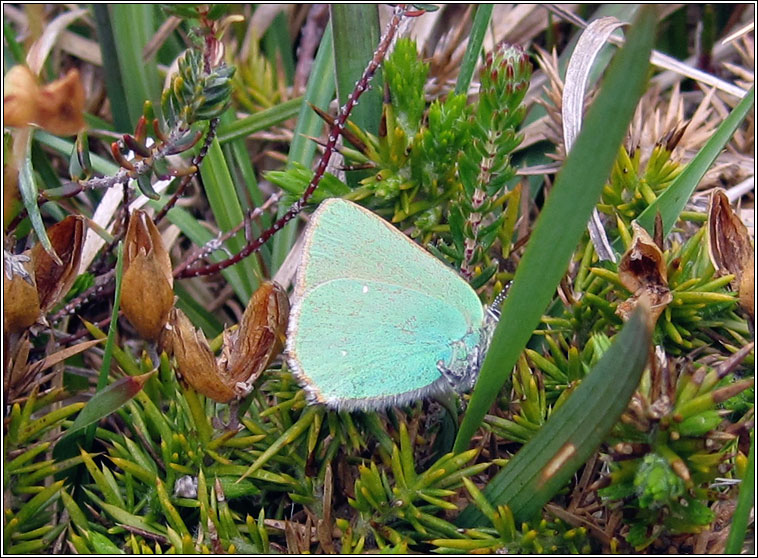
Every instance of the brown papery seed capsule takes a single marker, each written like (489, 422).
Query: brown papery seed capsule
(147, 291)
(261, 334)
(54, 280)
(194, 358)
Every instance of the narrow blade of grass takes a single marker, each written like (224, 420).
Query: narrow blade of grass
(319, 92)
(104, 402)
(27, 186)
(474, 47)
(222, 196)
(563, 217)
(671, 202)
(263, 120)
(356, 35)
(196, 312)
(200, 235)
(574, 430)
(111, 71)
(745, 502)
(133, 25)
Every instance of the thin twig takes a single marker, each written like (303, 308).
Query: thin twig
(338, 126)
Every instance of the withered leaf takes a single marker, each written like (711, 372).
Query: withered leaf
(54, 280)
(20, 97)
(246, 352)
(20, 299)
(730, 248)
(58, 107)
(194, 358)
(261, 334)
(642, 270)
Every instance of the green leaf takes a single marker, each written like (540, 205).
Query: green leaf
(27, 185)
(356, 36)
(102, 404)
(319, 92)
(671, 202)
(31, 508)
(573, 431)
(112, 72)
(474, 47)
(745, 502)
(136, 521)
(263, 120)
(225, 204)
(102, 544)
(146, 187)
(132, 26)
(196, 312)
(563, 218)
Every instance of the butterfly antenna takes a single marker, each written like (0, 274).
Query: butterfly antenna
(494, 308)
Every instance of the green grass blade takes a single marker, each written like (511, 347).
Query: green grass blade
(112, 72)
(564, 217)
(195, 311)
(263, 120)
(27, 186)
(133, 25)
(222, 196)
(474, 47)
(243, 176)
(110, 343)
(200, 235)
(64, 147)
(104, 402)
(14, 54)
(356, 35)
(671, 202)
(30, 509)
(277, 44)
(138, 522)
(745, 502)
(319, 92)
(574, 430)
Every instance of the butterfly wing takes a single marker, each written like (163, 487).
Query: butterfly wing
(383, 350)
(373, 312)
(344, 240)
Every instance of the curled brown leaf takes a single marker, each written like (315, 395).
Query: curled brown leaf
(730, 248)
(58, 107)
(55, 280)
(642, 270)
(260, 336)
(194, 358)
(246, 352)
(21, 306)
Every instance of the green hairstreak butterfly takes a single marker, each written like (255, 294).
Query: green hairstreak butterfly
(377, 321)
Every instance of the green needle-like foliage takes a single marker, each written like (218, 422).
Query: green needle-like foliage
(668, 450)
(407, 504)
(196, 94)
(143, 463)
(544, 537)
(442, 170)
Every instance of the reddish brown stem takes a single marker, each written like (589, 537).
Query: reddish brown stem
(338, 125)
(196, 160)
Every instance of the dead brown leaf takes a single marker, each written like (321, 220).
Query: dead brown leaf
(642, 271)
(730, 248)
